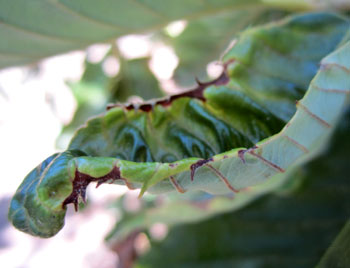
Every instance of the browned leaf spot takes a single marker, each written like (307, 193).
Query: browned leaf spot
(241, 153)
(81, 181)
(198, 164)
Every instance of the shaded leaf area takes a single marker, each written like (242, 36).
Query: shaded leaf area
(190, 207)
(338, 254)
(285, 229)
(265, 80)
(204, 40)
(40, 28)
(136, 79)
(96, 89)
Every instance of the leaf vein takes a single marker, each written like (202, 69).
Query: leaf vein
(88, 18)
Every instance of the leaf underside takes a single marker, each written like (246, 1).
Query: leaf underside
(210, 138)
(288, 228)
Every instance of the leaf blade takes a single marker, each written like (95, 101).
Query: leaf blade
(75, 25)
(117, 143)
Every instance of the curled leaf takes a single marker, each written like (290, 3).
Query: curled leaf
(36, 208)
(221, 137)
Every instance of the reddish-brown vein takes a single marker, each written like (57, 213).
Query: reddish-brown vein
(241, 153)
(196, 93)
(177, 186)
(331, 90)
(128, 184)
(316, 117)
(328, 65)
(297, 144)
(267, 162)
(223, 178)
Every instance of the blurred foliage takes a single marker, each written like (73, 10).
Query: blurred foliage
(338, 254)
(96, 89)
(135, 79)
(205, 39)
(36, 29)
(91, 94)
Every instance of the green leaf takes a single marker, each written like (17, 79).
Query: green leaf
(226, 134)
(27, 35)
(234, 115)
(40, 28)
(192, 45)
(91, 93)
(36, 207)
(282, 229)
(338, 254)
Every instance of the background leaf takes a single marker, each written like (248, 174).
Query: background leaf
(338, 254)
(204, 40)
(40, 28)
(74, 25)
(136, 79)
(96, 90)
